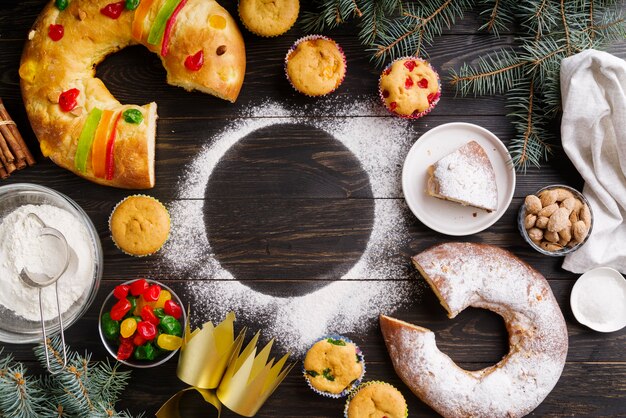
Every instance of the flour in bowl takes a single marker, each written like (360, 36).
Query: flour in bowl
(22, 247)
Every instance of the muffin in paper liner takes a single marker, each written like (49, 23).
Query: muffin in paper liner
(121, 245)
(303, 90)
(351, 385)
(413, 115)
(288, 16)
(373, 382)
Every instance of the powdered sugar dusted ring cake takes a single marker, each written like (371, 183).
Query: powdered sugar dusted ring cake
(483, 276)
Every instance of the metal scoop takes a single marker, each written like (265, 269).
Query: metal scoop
(40, 280)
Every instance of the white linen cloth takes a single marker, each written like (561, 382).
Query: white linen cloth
(593, 132)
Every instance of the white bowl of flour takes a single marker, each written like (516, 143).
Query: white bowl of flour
(22, 247)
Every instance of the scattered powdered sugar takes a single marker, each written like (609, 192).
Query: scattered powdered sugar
(377, 283)
(21, 247)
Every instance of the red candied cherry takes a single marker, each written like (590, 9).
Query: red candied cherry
(387, 71)
(55, 32)
(410, 65)
(408, 83)
(431, 97)
(423, 83)
(393, 105)
(385, 93)
(67, 102)
(113, 10)
(195, 62)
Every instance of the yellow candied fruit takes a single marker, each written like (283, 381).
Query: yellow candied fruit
(128, 327)
(226, 74)
(46, 149)
(28, 71)
(328, 72)
(164, 296)
(217, 21)
(169, 342)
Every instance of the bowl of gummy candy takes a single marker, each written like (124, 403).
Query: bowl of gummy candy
(142, 323)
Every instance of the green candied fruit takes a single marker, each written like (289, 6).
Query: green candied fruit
(312, 373)
(336, 342)
(132, 4)
(326, 373)
(110, 328)
(159, 312)
(133, 116)
(61, 4)
(170, 325)
(145, 352)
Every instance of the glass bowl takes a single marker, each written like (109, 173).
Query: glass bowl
(14, 328)
(112, 349)
(522, 214)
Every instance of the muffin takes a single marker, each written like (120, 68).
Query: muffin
(268, 18)
(333, 366)
(376, 399)
(315, 65)
(409, 87)
(139, 225)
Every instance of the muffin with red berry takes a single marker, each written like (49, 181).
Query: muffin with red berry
(409, 87)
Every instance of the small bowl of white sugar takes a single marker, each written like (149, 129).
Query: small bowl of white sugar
(598, 300)
(23, 247)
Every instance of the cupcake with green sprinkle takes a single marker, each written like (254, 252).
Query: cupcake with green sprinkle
(333, 366)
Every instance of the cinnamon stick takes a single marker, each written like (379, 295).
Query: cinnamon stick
(20, 144)
(3, 173)
(4, 148)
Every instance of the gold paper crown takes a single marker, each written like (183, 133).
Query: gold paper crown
(206, 352)
(250, 379)
(211, 357)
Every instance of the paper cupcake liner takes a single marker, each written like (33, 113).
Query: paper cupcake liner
(412, 115)
(352, 385)
(312, 38)
(243, 22)
(357, 389)
(111, 233)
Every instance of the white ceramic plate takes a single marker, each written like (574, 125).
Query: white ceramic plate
(449, 217)
(592, 278)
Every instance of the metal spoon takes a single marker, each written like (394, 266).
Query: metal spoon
(40, 280)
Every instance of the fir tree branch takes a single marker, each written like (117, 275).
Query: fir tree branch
(566, 28)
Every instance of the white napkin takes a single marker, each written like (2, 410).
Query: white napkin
(593, 131)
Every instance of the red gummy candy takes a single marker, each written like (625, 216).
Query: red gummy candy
(423, 83)
(410, 65)
(55, 32)
(195, 62)
(408, 83)
(113, 10)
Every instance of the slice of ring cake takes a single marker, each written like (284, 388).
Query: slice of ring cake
(465, 176)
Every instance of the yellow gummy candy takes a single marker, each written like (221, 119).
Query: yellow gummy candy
(128, 327)
(163, 297)
(169, 342)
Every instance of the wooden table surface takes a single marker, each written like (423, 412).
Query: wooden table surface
(594, 380)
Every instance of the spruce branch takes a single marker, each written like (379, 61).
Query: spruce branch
(528, 74)
(83, 389)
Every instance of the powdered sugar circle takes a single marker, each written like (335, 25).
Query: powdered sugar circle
(377, 283)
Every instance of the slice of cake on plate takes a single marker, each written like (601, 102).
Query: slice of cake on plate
(465, 176)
